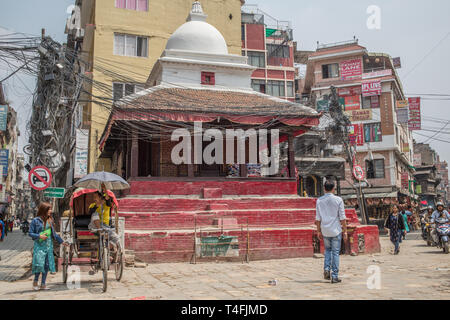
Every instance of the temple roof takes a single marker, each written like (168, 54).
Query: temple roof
(203, 100)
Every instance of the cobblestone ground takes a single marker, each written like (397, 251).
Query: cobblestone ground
(15, 254)
(419, 272)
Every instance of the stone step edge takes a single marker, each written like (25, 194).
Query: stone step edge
(213, 211)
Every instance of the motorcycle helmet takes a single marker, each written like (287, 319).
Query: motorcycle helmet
(439, 204)
(430, 208)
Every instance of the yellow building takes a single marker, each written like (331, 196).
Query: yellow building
(122, 39)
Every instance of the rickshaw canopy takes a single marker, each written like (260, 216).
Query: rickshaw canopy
(81, 191)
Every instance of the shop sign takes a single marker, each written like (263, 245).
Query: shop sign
(371, 88)
(81, 153)
(352, 103)
(417, 160)
(402, 104)
(350, 91)
(351, 69)
(403, 115)
(4, 156)
(377, 74)
(360, 115)
(418, 189)
(3, 117)
(324, 104)
(397, 62)
(405, 180)
(415, 118)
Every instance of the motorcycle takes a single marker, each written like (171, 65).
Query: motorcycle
(25, 228)
(427, 234)
(443, 232)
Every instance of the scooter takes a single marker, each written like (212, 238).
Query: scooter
(443, 232)
(427, 234)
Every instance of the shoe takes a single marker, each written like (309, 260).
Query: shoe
(335, 280)
(44, 287)
(326, 275)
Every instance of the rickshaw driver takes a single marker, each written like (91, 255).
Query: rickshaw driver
(97, 210)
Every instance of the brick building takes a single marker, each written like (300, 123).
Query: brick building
(369, 89)
(268, 45)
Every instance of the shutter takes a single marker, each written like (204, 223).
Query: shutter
(131, 4)
(121, 4)
(142, 5)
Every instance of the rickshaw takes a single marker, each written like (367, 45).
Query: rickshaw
(93, 245)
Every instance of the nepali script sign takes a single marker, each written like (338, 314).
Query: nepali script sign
(371, 88)
(351, 69)
(81, 154)
(415, 119)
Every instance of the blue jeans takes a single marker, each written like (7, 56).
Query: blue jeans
(44, 274)
(332, 250)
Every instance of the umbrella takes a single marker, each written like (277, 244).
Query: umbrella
(94, 180)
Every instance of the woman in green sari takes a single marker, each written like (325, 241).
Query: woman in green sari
(42, 232)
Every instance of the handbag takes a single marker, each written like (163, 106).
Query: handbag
(46, 232)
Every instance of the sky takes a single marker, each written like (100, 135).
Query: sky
(417, 31)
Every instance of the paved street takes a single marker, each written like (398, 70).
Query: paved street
(419, 272)
(15, 253)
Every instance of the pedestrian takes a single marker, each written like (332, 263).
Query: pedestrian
(42, 231)
(395, 225)
(404, 215)
(2, 229)
(332, 227)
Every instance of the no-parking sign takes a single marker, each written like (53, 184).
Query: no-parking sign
(358, 172)
(40, 178)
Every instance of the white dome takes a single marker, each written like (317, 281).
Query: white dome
(197, 35)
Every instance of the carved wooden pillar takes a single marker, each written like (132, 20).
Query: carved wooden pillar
(134, 155)
(291, 156)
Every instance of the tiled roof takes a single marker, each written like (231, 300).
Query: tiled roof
(239, 102)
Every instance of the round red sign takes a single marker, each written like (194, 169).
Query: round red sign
(358, 172)
(40, 178)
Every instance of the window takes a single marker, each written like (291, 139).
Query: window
(375, 169)
(259, 86)
(279, 51)
(256, 59)
(139, 5)
(131, 46)
(208, 78)
(121, 90)
(372, 132)
(243, 32)
(330, 71)
(366, 103)
(275, 88)
(290, 88)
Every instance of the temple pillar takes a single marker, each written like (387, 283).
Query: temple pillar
(134, 155)
(291, 156)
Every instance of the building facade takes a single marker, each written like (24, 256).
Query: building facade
(121, 40)
(369, 89)
(268, 45)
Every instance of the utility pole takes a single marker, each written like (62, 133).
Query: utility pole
(340, 129)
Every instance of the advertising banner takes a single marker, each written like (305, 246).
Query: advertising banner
(371, 88)
(351, 69)
(405, 180)
(377, 74)
(359, 132)
(403, 115)
(417, 161)
(324, 104)
(3, 117)
(402, 104)
(397, 62)
(352, 103)
(360, 115)
(350, 91)
(81, 153)
(415, 119)
(4, 155)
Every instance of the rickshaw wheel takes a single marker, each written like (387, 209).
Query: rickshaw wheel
(118, 266)
(105, 263)
(65, 264)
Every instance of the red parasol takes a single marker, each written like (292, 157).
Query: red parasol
(80, 192)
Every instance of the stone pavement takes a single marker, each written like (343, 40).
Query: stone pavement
(15, 253)
(419, 272)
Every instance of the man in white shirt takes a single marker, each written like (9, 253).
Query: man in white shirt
(331, 226)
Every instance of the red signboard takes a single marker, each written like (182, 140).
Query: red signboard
(358, 173)
(415, 118)
(351, 69)
(405, 180)
(359, 132)
(352, 103)
(371, 88)
(350, 91)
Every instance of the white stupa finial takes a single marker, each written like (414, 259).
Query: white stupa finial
(196, 13)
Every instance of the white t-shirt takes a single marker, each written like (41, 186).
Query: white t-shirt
(330, 212)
